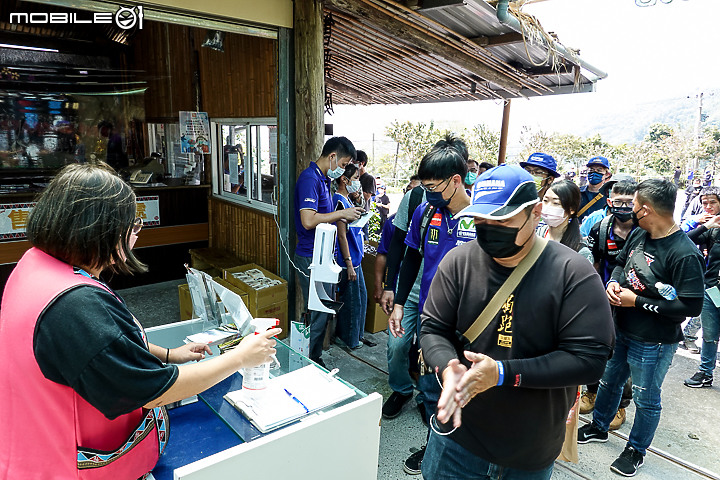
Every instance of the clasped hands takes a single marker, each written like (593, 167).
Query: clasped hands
(619, 296)
(461, 384)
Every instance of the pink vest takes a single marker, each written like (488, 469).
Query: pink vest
(48, 430)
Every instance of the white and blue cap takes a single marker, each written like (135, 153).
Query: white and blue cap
(500, 193)
(542, 160)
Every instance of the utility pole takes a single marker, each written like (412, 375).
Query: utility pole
(698, 132)
(373, 148)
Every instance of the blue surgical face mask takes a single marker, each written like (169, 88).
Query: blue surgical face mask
(595, 177)
(354, 186)
(436, 198)
(470, 178)
(335, 173)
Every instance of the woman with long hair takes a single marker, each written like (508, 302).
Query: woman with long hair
(560, 205)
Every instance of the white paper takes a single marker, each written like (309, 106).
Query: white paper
(362, 221)
(310, 385)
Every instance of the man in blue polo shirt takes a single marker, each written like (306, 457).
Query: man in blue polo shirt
(313, 206)
(593, 196)
(432, 233)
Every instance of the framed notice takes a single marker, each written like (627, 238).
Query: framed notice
(148, 208)
(194, 132)
(13, 220)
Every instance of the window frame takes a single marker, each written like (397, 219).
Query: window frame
(245, 199)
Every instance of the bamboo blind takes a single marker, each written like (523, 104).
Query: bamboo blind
(248, 234)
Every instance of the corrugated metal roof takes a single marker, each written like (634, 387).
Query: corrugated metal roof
(380, 51)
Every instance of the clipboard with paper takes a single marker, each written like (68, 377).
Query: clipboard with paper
(290, 397)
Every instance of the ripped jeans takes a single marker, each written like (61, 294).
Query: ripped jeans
(710, 318)
(647, 363)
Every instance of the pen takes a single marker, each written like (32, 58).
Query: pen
(296, 399)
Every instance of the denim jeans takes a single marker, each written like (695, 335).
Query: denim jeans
(710, 318)
(447, 460)
(351, 317)
(398, 349)
(692, 327)
(648, 364)
(318, 320)
(429, 387)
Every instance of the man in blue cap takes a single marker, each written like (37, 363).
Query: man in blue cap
(543, 169)
(593, 196)
(508, 387)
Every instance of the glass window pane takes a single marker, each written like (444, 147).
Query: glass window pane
(234, 140)
(264, 154)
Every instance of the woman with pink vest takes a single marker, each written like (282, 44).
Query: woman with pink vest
(83, 390)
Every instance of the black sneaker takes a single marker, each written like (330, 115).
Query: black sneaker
(393, 405)
(412, 464)
(319, 362)
(590, 433)
(699, 380)
(628, 462)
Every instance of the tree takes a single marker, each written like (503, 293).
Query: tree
(414, 141)
(483, 144)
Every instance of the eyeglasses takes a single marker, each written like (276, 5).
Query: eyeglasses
(597, 170)
(137, 226)
(432, 189)
(540, 172)
(621, 203)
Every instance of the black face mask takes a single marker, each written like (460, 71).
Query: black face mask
(498, 241)
(623, 214)
(635, 219)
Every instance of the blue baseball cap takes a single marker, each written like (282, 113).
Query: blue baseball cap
(599, 161)
(542, 160)
(501, 193)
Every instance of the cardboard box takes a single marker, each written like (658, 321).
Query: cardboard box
(277, 310)
(212, 261)
(375, 319)
(258, 298)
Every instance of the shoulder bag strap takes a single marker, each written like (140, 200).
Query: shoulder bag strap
(604, 234)
(589, 204)
(505, 290)
(424, 222)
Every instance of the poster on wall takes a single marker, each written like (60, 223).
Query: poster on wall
(148, 208)
(194, 132)
(13, 220)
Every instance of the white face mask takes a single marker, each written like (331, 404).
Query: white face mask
(354, 186)
(553, 216)
(335, 173)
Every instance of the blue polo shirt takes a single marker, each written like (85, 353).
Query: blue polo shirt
(586, 196)
(354, 237)
(386, 236)
(312, 191)
(442, 235)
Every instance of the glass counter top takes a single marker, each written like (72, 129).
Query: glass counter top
(172, 335)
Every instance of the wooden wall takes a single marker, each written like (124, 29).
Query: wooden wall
(239, 82)
(242, 80)
(248, 234)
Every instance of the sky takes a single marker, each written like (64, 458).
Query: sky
(663, 51)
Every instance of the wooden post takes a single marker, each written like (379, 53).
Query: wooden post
(309, 82)
(504, 132)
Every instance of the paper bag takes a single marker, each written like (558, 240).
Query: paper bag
(300, 338)
(569, 452)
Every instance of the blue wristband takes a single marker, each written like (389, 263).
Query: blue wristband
(609, 282)
(501, 373)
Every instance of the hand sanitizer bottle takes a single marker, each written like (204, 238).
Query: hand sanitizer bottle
(255, 379)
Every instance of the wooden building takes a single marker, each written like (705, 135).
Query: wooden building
(80, 81)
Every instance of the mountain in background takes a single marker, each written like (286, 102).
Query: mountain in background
(630, 124)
